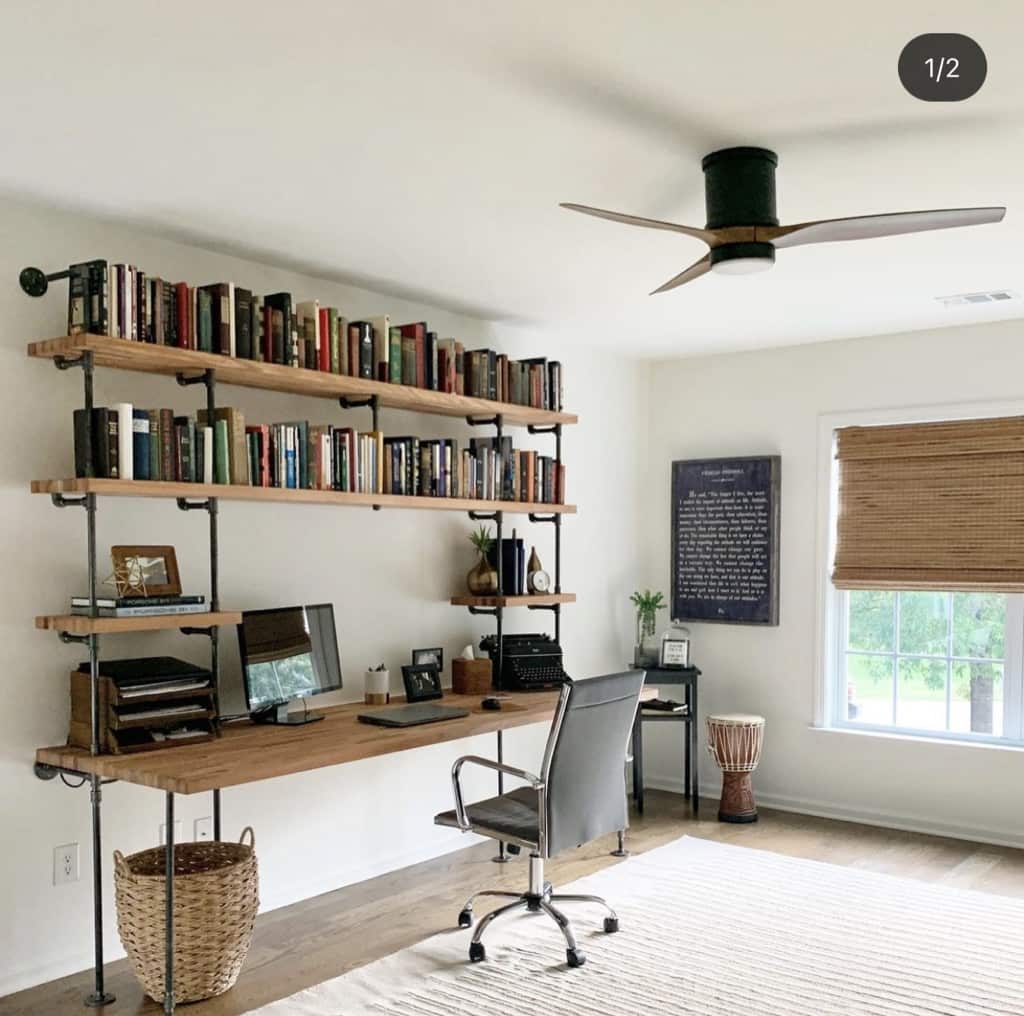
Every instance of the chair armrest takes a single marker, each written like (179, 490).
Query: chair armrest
(460, 808)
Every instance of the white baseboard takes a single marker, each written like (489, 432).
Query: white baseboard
(1000, 837)
(272, 897)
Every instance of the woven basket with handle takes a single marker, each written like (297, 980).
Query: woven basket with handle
(215, 903)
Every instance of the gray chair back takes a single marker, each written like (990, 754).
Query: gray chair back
(583, 762)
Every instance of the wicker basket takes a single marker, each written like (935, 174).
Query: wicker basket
(215, 903)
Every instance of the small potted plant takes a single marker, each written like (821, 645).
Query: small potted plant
(645, 653)
(482, 579)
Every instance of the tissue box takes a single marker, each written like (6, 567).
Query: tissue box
(471, 677)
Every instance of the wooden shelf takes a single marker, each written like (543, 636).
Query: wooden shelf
(537, 600)
(124, 354)
(79, 624)
(237, 492)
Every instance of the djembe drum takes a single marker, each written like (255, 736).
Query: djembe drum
(735, 743)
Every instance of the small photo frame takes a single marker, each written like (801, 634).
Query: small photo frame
(421, 657)
(145, 571)
(422, 682)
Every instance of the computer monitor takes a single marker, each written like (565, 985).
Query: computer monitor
(287, 653)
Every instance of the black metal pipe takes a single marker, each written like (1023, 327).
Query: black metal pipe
(216, 814)
(169, 906)
(99, 996)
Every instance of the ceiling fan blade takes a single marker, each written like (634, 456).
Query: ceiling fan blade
(635, 220)
(864, 227)
(695, 271)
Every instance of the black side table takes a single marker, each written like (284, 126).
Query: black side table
(663, 679)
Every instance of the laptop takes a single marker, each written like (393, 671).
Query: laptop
(412, 716)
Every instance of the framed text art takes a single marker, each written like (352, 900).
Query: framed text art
(725, 540)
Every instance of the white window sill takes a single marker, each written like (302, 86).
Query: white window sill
(944, 742)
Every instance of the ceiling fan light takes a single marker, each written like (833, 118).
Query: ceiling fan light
(741, 258)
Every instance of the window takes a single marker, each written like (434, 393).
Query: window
(939, 663)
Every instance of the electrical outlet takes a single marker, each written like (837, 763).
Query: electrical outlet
(65, 864)
(178, 828)
(203, 829)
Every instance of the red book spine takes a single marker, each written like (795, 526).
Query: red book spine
(181, 307)
(325, 340)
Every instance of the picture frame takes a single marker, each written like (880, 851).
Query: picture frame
(145, 570)
(422, 682)
(420, 657)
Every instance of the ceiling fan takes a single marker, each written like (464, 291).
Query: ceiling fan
(744, 233)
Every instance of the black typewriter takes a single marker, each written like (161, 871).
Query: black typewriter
(528, 662)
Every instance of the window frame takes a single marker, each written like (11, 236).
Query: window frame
(830, 691)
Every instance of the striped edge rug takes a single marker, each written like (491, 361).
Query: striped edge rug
(714, 929)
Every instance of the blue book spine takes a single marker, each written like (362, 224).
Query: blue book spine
(140, 444)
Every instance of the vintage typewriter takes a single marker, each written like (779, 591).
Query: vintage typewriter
(528, 662)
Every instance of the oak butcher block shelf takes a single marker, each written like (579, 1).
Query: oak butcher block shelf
(538, 600)
(246, 753)
(79, 624)
(145, 358)
(241, 492)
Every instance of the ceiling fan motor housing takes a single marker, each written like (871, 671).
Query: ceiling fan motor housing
(739, 190)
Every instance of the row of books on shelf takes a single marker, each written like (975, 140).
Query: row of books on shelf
(127, 443)
(120, 300)
(139, 606)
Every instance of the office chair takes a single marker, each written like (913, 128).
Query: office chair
(578, 797)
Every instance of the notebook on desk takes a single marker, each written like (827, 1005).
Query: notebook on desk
(412, 716)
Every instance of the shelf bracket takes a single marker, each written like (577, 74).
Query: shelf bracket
(192, 630)
(537, 517)
(553, 607)
(43, 771)
(483, 421)
(206, 378)
(372, 403)
(488, 611)
(83, 360)
(72, 639)
(192, 506)
(484, 516)
(534, 428)
(63, 501)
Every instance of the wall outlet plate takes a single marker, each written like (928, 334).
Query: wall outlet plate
(65, 864)
(178, 831)
(203, 829)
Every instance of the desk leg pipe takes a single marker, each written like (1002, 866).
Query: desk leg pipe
(502, 857)
(99, 996)
(620, 850)
(216, 814)
(169, 907)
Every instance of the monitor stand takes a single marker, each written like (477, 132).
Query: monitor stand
(279, 715)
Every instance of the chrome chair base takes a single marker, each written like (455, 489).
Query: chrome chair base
(539, 899)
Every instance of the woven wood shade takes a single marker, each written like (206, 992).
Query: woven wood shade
(931, 506)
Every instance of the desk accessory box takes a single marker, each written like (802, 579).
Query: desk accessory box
(471, 677)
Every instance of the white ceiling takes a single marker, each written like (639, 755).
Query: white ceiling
(422, 147)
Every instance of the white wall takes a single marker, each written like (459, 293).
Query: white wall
(769, 403)
(388, 573)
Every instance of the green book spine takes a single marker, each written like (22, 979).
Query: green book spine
(220, 451)
(204, 321)
(155, 446)
(332, 331)
(395, 356)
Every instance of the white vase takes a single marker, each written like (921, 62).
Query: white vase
(377, 687)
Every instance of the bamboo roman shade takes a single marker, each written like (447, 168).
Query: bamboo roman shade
(931, 506)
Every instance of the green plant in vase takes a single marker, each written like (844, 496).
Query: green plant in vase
(647, 604)
(482, 579)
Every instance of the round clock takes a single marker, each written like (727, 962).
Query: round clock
(538, 581)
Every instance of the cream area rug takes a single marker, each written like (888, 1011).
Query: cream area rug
(720, 930)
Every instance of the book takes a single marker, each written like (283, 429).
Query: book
(106, 443)
(309, 310)
(125, 440)
(361, 350)
(236, 464)
(140, 444)
(207, 456)
(138, 601)
(417, 331)
(162, 688)
(221, 316)
(381, 347)
(156, 471)
(78, 298)
(158, 611)
(204, 320)
(167, 444)
(395, 355)
(243, 323)
(281, 302)
(83, 425)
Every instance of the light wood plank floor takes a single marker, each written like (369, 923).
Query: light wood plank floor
(315, 940)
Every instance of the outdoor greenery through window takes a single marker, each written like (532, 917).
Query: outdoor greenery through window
(930, 662)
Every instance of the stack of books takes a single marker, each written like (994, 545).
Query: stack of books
(122, 301)
(140, 606)
(122, 442)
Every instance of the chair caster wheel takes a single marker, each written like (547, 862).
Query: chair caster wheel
(466, 919)
(477, 953)
(575, 958)
(611, 925)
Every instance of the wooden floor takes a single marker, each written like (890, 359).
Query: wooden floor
(315, 940)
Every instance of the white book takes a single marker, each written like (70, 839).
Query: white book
(207, 455)
(125, 442)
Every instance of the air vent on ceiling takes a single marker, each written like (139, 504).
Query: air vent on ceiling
(991, 296)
